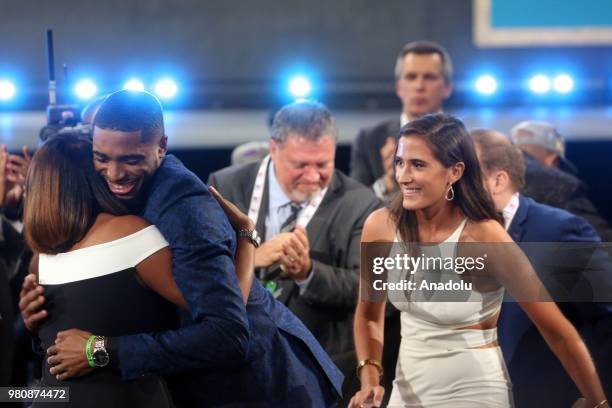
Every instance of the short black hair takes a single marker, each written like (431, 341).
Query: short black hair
(132, 111)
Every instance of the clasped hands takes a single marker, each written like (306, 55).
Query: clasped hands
(291, 250)
(67, 357)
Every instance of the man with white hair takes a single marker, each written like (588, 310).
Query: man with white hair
(310, 217)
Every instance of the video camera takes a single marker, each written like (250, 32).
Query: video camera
(61, 118)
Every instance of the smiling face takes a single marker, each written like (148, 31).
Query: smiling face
(125, 161)
(422, 178)
(421, 86)
(303, 167)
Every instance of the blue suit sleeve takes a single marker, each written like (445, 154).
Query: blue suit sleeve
(215, 331)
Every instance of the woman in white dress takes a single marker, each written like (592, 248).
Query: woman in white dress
(449, 356)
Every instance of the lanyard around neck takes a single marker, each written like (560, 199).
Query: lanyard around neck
(257, 197)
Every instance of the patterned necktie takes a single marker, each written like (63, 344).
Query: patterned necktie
(289, 224)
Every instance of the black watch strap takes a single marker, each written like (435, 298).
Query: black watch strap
(113, 353)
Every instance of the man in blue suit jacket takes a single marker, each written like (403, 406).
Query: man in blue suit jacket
(537, 375)
(223, 353)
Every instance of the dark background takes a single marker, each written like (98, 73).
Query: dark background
(239, 53)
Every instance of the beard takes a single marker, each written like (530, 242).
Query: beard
(301, 196)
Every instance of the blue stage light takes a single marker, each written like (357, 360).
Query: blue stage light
(86, 89)
(166, 89)
(7, 90)
(300, 87)
(563, 83)
(486, 85)
(539, 84)
(134, 84)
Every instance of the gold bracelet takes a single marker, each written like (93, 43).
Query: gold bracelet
(375, 363)
(601, 403)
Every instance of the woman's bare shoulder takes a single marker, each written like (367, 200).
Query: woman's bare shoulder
(128, 224)
(486, 231)
(379, 226)
(109, 228)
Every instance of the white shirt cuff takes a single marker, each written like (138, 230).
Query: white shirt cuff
(303, 285)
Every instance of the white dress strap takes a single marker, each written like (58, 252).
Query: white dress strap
(99, 260)
(454, 237)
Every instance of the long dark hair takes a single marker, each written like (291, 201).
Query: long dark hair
(451, 144)
(64, 195)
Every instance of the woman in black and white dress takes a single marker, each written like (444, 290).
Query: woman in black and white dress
(103, 270)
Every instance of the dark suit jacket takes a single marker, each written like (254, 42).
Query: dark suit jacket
(327, 305)
(259, 354)
(366, 165)
(537, 375)
(6, 310)
(562, 190)
(13, 251)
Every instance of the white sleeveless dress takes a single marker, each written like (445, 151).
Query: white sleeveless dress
(438, 363)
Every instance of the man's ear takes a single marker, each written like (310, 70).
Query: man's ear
(550, 159)
(502, 181)
(273, 148)
(448, 89)
(163, 146)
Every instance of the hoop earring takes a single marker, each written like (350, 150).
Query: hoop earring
(450, 193)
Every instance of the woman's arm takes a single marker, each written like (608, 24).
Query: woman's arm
(513, 270)
(369, 339)
(370, 320)
(156, 270)
(245, 253)
(565, 342)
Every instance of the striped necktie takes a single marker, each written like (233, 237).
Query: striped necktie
(289, 224)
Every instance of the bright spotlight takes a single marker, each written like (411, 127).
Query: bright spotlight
(86, 89)
(166, 89)
(300, 87)
(134, 85)
(486, 85)
(563, 83)
(7, 90)
(539, 84)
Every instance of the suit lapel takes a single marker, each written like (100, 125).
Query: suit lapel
(263, 210)
(318, 225)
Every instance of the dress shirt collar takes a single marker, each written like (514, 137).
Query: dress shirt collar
(277, 197)
(403, 120)
(510, 210)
